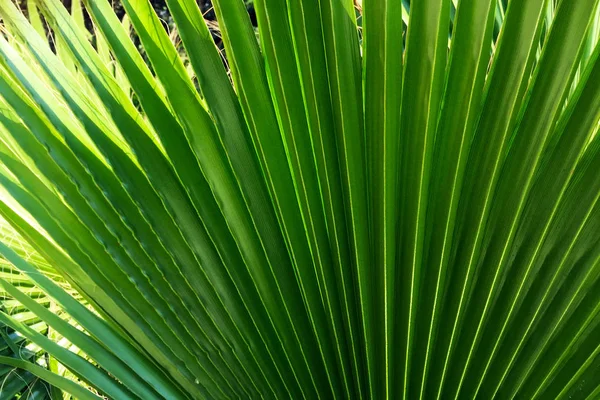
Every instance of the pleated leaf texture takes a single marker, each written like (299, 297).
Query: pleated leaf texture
(382, 200)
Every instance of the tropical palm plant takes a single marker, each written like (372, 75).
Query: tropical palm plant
(396, 202)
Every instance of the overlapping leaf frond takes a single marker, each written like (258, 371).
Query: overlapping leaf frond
(377, 200)
(17, 316)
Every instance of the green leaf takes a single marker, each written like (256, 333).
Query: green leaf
(301, 199)
(425, 63)
(382, 67)
(63, 383)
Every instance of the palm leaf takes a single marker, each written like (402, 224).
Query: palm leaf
(375, 202)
